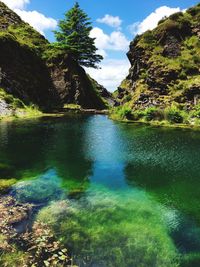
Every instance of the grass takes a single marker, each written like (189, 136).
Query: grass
(166, 79)
(17, 108)
(169, 116)
(72, 106)
(25, 35)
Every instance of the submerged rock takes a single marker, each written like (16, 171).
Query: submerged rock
(35, 246)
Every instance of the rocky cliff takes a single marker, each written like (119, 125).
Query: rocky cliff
(30, 72)
(165, 65)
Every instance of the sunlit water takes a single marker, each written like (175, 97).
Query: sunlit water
(115, 194)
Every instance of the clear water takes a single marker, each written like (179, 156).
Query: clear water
(116, 194)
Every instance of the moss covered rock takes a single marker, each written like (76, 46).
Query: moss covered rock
(165, 65)
(36, 73)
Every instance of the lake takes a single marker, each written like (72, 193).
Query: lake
(116, 194)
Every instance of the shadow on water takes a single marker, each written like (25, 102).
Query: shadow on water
(116, 194)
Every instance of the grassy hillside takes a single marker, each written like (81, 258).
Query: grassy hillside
(36, 72)
(164, 79)
(14, 107)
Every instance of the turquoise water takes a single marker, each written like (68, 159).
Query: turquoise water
(115, 194)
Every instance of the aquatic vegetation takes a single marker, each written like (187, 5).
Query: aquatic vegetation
(5, 184)
(35, 246)
(148, 210)
(192, 259)
(15, 259)
(130, 227)
(39, 190)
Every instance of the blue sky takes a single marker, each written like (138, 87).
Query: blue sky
(115, 25)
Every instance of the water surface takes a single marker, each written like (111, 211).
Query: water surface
(116, 194)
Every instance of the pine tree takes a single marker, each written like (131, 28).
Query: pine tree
(74, 36)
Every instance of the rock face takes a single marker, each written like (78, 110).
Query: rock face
(165, 64)
(73, 85)
(26, 73)
(4, 108)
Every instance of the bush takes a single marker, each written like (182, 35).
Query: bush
(174, 115)
(165, 28)
(138, 114)
(194, 10)
(124, 112)
(176, 16)
(196, 112)
(149, 38)
(128, 98)
(153, 113)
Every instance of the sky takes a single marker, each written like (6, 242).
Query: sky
(115, 24)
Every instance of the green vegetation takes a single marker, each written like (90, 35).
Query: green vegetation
(15, 259)
(130, 228)
(27, 36)
(37, 61)
(174, 115)
(191, 260)
(163, 84)
(72, 106)
(168, 116)
(74, 37)
(5, 184)
(14, 107)
(24, 35)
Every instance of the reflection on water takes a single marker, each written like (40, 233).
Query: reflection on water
(116, 194)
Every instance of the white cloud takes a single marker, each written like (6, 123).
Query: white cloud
(16, 4)
(37, 20)
(116, 41)
(150, 22)
(111, 21)
(111, 74)
(112, 71)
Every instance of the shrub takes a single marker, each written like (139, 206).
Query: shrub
(196, 112)
(164, 28)
(176, 16)
(152, 113)
(124, 112)
(149, 38)
(128, 98)
(194, 10)
(174, 115)
(189, 67)
(138, 114)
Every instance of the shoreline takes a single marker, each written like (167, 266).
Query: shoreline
(65, 111)
(61, 113)
(19, 240)
(159, 124)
